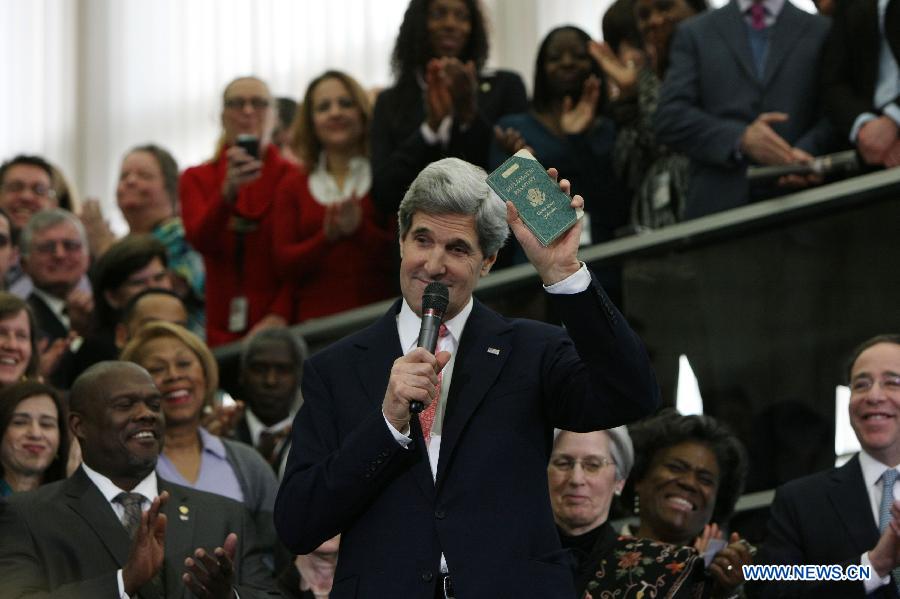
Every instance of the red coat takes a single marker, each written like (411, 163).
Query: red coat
(208, 224)
(330, 277)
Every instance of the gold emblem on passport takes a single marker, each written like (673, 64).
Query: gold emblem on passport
(536, 197)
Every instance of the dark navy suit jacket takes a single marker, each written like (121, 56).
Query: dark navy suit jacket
(489, 510)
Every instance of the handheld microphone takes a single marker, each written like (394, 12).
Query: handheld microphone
(435, 300)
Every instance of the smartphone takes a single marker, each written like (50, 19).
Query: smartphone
(250, 143)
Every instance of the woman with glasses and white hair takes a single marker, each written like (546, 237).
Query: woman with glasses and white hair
(585, 471)
(227, 208)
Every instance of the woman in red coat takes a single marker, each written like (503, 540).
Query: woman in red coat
(328, 241)
(227, 208)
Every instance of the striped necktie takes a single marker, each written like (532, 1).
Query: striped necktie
(884, 512)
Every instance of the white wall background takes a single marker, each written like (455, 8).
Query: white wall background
(84, 80)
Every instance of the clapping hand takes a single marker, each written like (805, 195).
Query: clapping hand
(577, 117)
(462, 82)
(727, 567)
(148, 547)
(212, 576)
(623, 75)
(438, 100)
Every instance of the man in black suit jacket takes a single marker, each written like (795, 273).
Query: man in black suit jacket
(55, 256)
(69, 540)
(465, 505)
(861, 81)
(833, 517)
(271, 365)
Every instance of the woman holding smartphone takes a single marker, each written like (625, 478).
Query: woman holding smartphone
(227, 211)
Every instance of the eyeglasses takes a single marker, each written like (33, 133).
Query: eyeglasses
(863, 384)
(589, 465)
(38, 189)
(256, 102)
(49, 247)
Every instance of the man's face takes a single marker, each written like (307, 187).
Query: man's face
(444, 248)
(26, 189)
(150, 308)
(121, 429)
(154, 275)
(57, 259)
(269, 380)
(582, 479)
(875, 401)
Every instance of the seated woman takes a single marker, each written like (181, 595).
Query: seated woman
(328, 240)
(688, 474)
(443, 102)
(35, 441)
(227, 207)
(565, 129)
(187, 376)
(585, 471)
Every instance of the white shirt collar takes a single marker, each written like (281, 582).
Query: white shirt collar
(55, 304)
(256, 426)
(408, 325)
(148, 487)
(356, 184)
(872, 469)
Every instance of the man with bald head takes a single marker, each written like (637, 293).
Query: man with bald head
(116, 530)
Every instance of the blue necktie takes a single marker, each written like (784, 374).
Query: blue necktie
(884, 511)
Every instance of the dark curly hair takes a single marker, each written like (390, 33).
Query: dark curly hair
(412, 51)
(12, 396)
(542, 98)
(669, 428)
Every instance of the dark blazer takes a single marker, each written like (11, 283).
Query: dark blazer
(712, 92)
(64, 540)
(399, 151)
(824, 518)
(488, 512)
(49, 326)
(850, 64)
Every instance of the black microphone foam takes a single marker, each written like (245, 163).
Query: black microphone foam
(435, 300)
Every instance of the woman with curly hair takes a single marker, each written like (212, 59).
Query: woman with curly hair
(443, 102)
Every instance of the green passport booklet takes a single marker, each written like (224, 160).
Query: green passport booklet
(541, 203)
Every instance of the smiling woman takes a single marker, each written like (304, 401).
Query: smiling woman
(34, 436)
(187, 376)
(328, 240)
(19, 355)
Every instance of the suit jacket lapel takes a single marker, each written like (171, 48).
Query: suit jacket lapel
(733, 31)
(474, 371)
(851, 504)
(85, 499)
(788, 29)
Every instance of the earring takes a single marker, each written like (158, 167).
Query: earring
(637, 505)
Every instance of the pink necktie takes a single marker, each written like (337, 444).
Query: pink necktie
(426, 416)
(758, 16)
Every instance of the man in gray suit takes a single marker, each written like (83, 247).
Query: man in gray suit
(70, 539)
(741, 89)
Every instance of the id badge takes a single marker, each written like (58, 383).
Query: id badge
(237, 314)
